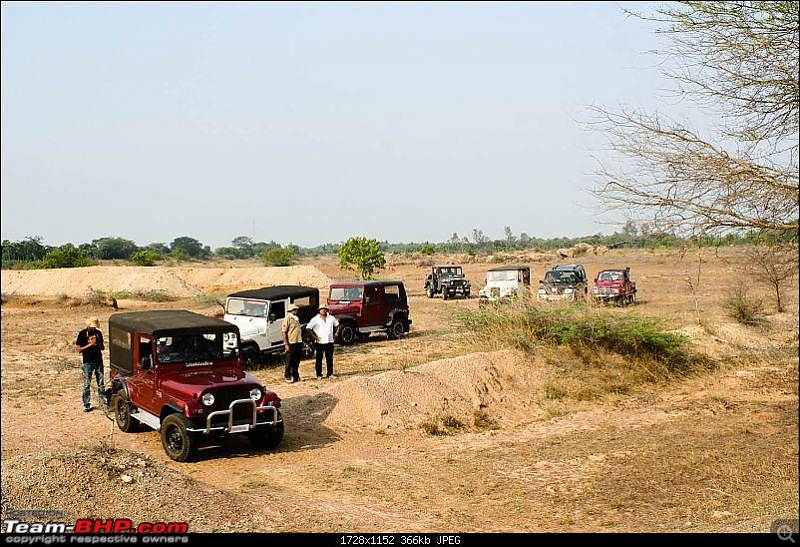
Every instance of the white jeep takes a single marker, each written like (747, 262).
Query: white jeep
(259, 314)
(505, 282)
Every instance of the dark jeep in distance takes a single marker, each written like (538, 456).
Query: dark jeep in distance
(447, 280)
(564, 283)
(364, 307)
(173, 371)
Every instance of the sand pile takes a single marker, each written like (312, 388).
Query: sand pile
(496, 383)
(178, 281)
(76, 282)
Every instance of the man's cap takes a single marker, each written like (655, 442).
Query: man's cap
(294, 307)
(93, 322)
(324, 307)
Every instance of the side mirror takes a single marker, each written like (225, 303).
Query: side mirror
(272, 318)
(595, 280)
(146, 363)
(542, 282)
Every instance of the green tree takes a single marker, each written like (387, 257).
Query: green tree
(190, 246)
(362, 255)
(115, 247)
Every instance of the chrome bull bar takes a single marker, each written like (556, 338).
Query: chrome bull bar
(240, 428)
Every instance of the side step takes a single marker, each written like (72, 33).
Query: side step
(150, 420)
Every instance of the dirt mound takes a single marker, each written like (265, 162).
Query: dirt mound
(107, 483)
(177, 281)
(76, 282)
(489, 386)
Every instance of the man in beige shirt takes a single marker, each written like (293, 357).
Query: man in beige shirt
(293, 344)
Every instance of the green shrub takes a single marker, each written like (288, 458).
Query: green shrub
(278, 257)
(67, 256)
(427, 249)
(524, 324)
(363, 255)
(146, 257)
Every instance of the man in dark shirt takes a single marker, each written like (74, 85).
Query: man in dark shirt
(90, 344)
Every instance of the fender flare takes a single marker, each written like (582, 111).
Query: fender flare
(400, 314)
(167, 409)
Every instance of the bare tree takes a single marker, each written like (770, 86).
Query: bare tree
(775, 265)
(738, 59)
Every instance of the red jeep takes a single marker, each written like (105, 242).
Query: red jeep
(177, 372)
(369, 306)
(615, 286)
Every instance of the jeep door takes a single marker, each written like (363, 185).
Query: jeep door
(275, 317)
(142, 385)
(372, 312)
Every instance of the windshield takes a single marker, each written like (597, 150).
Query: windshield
(346, 293)
(561, 277)
(510, 275)
(451, 271)
(610, 276)
(193, 348)
(249, 308)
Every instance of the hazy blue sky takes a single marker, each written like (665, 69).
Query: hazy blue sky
(309, 123)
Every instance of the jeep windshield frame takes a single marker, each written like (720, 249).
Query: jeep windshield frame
(246, 307)
(346, 294)
(561, 277)
(497, 276)
(449, 271)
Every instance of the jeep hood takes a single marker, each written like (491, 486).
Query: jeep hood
(188, 380)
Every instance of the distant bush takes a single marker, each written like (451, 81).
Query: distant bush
(744, 309)
(427, 249)
(146, 257)
(278, 257)
(362, 255)
(150, 296)
(65, 257)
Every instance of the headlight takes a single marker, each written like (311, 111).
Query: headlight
(567, 291)
(226, 336)
(255, 394)
(542, 291)
(208, 399)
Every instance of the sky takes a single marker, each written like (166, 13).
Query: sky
(309, 123)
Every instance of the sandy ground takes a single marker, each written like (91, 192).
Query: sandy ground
(426, 434)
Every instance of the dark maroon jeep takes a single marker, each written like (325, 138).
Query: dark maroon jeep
(364, 307)
(177, 372)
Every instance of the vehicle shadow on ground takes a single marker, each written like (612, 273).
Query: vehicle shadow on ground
(304, 430)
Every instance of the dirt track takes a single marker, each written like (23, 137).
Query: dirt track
(717, 451)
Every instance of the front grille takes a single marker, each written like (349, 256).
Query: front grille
(226, 397)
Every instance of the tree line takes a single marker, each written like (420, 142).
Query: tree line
(31, 252)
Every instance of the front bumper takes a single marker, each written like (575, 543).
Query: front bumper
(240, 425)
(556, 297)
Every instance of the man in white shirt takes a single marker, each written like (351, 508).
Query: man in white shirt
(321, 328)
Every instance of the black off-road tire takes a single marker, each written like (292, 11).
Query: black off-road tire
(266, 437)
(396, 329)
(445, 294)
(251, 356)
(122, 412)
(348, 333)
(175, 438)
(429, 292)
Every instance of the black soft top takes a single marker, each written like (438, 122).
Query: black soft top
(507, 268)
(277, 293)
(168, 322)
